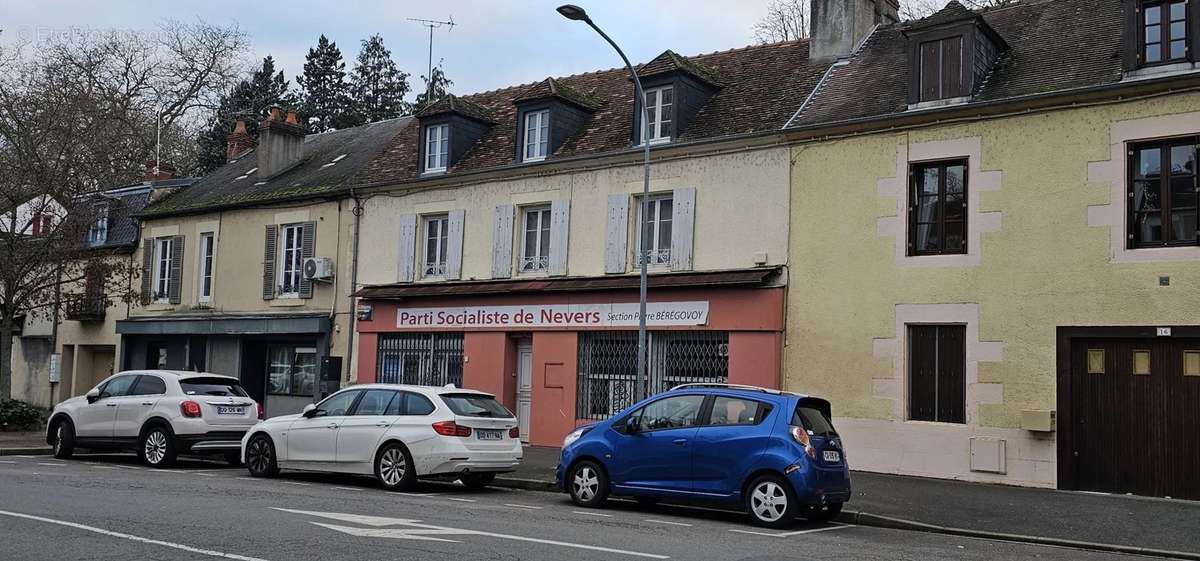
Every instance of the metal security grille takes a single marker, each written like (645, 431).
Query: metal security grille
(608, 366)
(426, 359)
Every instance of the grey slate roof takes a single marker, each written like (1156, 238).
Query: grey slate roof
(124, 204)
(236, 184)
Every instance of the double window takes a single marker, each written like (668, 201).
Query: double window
(1163, 36)
(164, 255)
(98, 231)
(291, 260)
(208, 249)
(660, 103)
(1163, 193)
(291, 370)
(437, 234)
(537, 135)
(535, 251)
(437, 148)
(937, 373)
(937, 208)
(655, 229)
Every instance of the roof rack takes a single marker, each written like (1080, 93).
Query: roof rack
(726, 386)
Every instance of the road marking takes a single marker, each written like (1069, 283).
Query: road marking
(586, 513)
(796, 533)
(50, 464)
(410, 494)
(23, 456)
(248, 478)
(349, 488)
(296, 483)
(202, 474)
(6, 462)
(461, 500)
(653, 521)
(105, 467)
(102, 531)
(523, 506)
(417, 531)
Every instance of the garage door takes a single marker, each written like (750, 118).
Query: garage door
(1135, 416)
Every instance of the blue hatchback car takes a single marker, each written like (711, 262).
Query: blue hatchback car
(774, 453)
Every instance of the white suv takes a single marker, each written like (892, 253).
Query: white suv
(159, 413)
(395, 432)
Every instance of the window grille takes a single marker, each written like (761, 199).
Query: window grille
(426, 359)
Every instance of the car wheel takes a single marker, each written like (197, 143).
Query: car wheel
(770, 502)
(588, 484)
(394, 468)
(822, 513)
(260, 457)
(477, 481)
(157, 447)
(233, 458)
(64, 440)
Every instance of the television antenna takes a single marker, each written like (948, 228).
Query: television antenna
(432, 24)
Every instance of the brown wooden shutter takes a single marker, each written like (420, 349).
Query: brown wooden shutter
(1129, 35)
(307, 246)
(269, 252)
(930, 70)
(175, 281)
(951, 374)
(952, 67)
(1194, 31)
(147, 271)
(922, 372)
(937, 373)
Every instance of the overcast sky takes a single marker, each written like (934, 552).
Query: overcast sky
(494, 43)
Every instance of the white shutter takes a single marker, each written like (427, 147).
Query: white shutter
(454, 242)
(408, 248)
(560, 228)
(502, 238)
(616, 233)
(683, 226)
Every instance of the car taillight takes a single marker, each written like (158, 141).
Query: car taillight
(189, 408)
(801, 436)
(260, 411)
(450, 428)
(514, 432)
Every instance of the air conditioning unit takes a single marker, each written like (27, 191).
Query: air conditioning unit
(318, 269)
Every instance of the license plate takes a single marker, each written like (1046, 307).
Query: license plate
(833, 456)
(230, 410)
(489, 434)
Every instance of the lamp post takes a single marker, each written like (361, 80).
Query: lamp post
(573, 12)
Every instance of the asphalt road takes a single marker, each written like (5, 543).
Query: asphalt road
(109, 507)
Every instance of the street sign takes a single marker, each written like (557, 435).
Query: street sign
(1164, 332)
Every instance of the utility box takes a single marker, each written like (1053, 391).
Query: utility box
(1038, 420)
(988, 455)
(330, 375)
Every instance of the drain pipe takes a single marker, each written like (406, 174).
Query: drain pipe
(357, 211)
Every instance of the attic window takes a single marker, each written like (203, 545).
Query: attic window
(437, 148)
(661, 104)
(1164, 37)
(537, 135)
(941, 68)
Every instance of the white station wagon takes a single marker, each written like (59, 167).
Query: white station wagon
(397, 433)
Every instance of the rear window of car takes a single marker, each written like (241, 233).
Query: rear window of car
(212, 386)
(813, 419)
(472, 405)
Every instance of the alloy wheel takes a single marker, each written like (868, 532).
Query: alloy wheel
(259, 456)
(768, 501)
(58, 438)
(155, 447)
(586, 483)
(392, 466)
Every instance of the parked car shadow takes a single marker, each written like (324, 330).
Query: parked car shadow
(129, 459)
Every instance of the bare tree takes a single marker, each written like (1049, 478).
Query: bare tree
(785, 20)
(917, 9)
(79, 113)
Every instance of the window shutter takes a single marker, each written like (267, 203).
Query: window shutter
(1194, 32)
(454, 244)
(560, 229)
(616, 233)
(308, 242)
(173, 285)
(502, 238)
(408, 247)
(147, 270)
(269, 253)
(1129, 35)
(683, 226)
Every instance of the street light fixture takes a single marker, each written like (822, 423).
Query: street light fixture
(575, 13)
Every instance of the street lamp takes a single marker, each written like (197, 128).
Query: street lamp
(573, 12)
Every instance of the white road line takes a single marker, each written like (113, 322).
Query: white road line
(296, 483)
(523, 506)
(586, 513)
(6, 462)
(23, 456)
(203, 474)
(349, 488)
(105, 467)
(796, 533)
(102, 531)
(653, 521)
(248, 478)
(50, 464)
(410, 494)
(461, 500)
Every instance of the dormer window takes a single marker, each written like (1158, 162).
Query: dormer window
(950, 55)
(1164, 37)
(98, 231)
(660, 102)
(437, 148)
(537, 135)
(941, 68)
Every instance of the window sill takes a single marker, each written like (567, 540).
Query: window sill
(287, 301)
(1160, 71)
(533, 160)
(938, 103)
(654, 142)
(159, 307)
(432, 172)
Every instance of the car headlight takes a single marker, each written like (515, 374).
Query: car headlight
(571, 438)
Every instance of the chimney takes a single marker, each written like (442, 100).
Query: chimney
(238, 141)
(280, 142)
(157, 173)
(839, 25)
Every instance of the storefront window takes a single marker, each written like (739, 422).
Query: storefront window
(426, 359)
(292, 370)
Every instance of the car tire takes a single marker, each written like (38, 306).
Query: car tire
(260, 457)
(394, 468)
(822, 513)
(477, 481)
(233, 458)
(587, 483)
(770, 502)
(156, 447)
(64, 439)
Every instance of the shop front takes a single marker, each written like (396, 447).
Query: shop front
(561, 352)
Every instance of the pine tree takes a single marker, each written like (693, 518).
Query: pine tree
(249, 99)
(325, 94)
(436, 87)
(378, 86)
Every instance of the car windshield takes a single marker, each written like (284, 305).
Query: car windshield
(212, 386)
(813, 419)
(474, 405)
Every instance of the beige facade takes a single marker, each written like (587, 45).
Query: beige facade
(1046, 222)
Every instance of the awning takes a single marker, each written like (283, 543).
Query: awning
(225, 324)
(730, 278)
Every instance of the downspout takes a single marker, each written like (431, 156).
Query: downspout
(357, 212)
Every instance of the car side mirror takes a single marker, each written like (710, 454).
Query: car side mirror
(93, 395)
(309, 411)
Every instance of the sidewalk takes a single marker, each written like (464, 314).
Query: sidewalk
(23, 443)
(996, 511)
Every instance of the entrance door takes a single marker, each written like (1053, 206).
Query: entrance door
(524, 387)
(1133, 423)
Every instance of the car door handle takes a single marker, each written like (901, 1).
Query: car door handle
(381, 424)
(680, 441)
(147, 403)
(333, 426)
(110, 404)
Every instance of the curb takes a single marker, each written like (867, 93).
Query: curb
(875, 520)
(526, 484)
(39, 451)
